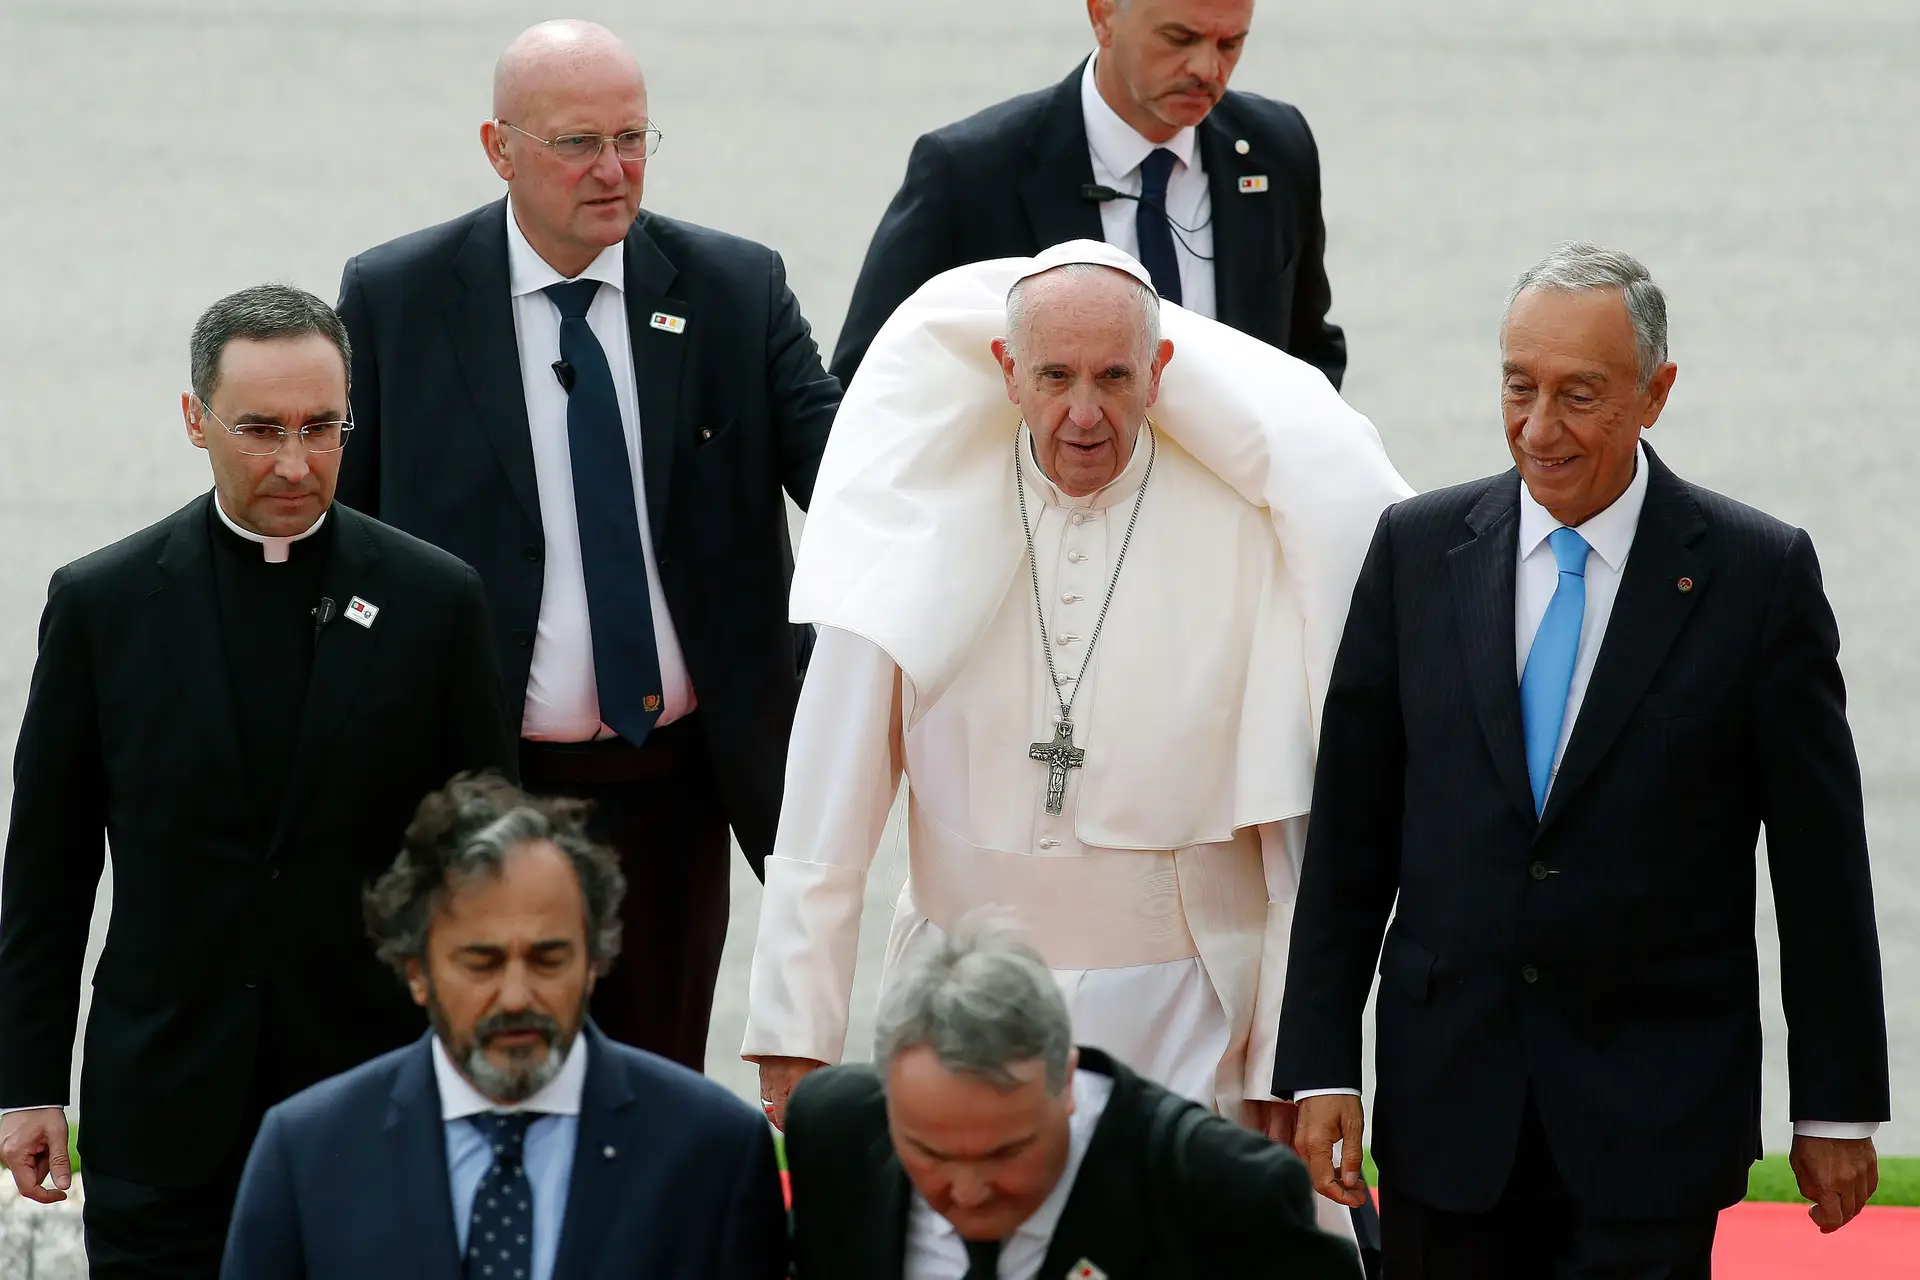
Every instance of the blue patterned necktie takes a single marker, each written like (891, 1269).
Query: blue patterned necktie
(500, 1232)
(1549, 673)
(1150, 222)
(626, 660)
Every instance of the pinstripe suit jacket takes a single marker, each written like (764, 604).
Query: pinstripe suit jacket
(1601, 956)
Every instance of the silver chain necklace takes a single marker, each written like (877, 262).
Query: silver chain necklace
(1060, 754)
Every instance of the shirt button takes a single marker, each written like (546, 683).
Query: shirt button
(1071, 597)
(1049, 842)
(1530, 974)
(1070, 638)
(1538, 871)
(1078, 557)
(1079, 517)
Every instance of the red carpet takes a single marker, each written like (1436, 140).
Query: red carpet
(1777, 1242)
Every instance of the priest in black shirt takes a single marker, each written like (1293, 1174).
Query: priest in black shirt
(245, 701)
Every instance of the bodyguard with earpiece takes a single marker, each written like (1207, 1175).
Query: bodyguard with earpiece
(1217, 193)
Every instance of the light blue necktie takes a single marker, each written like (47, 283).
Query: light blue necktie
(1549, 673)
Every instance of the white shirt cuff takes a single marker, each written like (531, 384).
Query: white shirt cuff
(1854, 1129)
(1304, 1094)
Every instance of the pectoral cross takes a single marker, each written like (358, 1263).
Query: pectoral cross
(1060, 755)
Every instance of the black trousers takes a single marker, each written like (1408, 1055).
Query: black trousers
(137, 1231)
(659, 805)
(1537, 1231)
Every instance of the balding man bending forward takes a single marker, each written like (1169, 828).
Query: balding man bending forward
(598, 408)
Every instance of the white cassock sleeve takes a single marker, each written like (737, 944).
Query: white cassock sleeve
(1281, 845)
(843, 771)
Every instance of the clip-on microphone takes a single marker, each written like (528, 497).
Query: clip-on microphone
(322, 614)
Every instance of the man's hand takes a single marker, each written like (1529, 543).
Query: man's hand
(33, 1144)
(1838, 1174)
(1328, 1119)
(778, 1076)
(1273, 1118)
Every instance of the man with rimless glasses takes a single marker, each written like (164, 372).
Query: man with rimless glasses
(244, 702)
(599, 408)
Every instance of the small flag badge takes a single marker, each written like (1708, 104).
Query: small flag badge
(672, 324)
(361, 612)
(1084, 1270)
(651, 702)
(1253, 184)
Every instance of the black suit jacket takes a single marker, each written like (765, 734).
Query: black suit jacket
(1601, 956)
(1167, 1191)
(673, 1179)
(732, 409)
(130, 739)
(1006, 184)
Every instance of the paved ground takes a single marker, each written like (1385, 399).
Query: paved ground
(1759, 154)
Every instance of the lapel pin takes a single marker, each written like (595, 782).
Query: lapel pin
(1242, 147)
(1084, 1270)
(672, 324)
(361, 612)
(1685, 585)
(1253, 184)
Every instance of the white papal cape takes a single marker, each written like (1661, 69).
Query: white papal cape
(1162, 895)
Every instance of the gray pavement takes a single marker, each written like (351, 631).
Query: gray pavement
(1758, 154)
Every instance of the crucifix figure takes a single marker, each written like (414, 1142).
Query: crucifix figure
(1060, 755)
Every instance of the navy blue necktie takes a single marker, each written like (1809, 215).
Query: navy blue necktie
(1150, 221)
(500, 1230)
(626, 660)
(983, 1259)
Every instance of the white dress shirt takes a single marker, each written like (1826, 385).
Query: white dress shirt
(272, 550)
(1117, 152)
(563, 701)
(546, 1157)
(1609, 538)
(935, 1250)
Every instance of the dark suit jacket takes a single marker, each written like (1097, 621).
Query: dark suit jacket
(1168, 1191)
(673, 1179)
(731, 410)
(1601, 956)
(130, 735)
(1006, 184)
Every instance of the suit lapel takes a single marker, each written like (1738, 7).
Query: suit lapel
(1647, 615)
(341, 652)
(1059, 165)
(658, 355)
(479, 317)
(188, 608)
(890, 1197)
(415, 1143)
(1243, 226)
(1105, 1218)
(606, 1146)
(1483, 590)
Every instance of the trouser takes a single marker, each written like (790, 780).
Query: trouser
(1537, 1231)
(659, 806)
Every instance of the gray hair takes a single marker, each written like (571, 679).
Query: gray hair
(1579, 265)
(468, 828)
(261, 314)
(1020, 307)
(983, 1001)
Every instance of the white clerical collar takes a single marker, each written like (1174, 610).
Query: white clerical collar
(1114, 141)
(528, 272)
(559, 1096)
(1609, 532)
(1091, 1093)
(272, 550)
(1118, 489)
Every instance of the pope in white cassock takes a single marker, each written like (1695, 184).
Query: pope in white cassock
(1095, 639)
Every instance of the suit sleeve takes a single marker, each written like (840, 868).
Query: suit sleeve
(263, 1239)
(804, 397)
(476, 732)
(56, 850)
(359, 485)
(753, 1239)
(1351, 871)
(914, 243)
(1817, 856)
(1312, 337)
(1247, 1207)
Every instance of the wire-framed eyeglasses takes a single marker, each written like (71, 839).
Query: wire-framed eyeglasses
(585, 148)
(262, 438)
